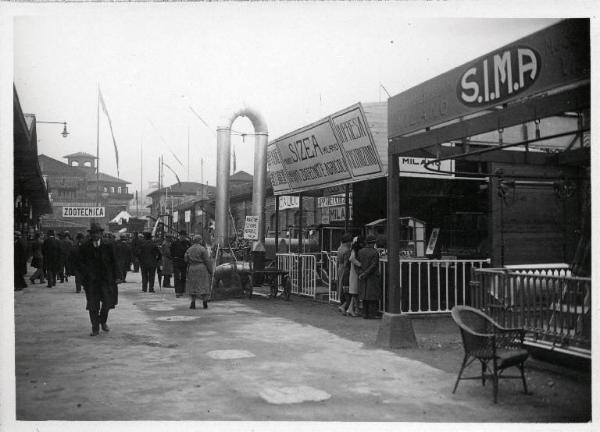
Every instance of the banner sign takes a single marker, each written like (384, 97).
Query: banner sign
(251, 228)
(277, 173)
(88, 212)
(312, 156)
(353, 134)
(553, 57)
(175, 216)
(288, 202)
(333, 200)
(435, 233)
(187, 215)
(332, 151)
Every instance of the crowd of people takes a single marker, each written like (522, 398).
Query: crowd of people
(100, 261)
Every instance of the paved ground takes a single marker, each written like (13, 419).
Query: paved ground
(255, 359)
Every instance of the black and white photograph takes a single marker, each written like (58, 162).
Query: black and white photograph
(297, 215)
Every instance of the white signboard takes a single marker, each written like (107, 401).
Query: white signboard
(175, 216)
(289, 201)
(199, 212)
(415, 167)
(352, 132)
(275, 168)
(88, 212)
(435, 233)
(334, 200)
(325, 216)
(251, 228)
(188, 215)
(312, 156)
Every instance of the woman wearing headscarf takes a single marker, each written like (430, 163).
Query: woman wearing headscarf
(199, 272)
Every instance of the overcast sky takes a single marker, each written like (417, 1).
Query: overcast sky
(295, 63)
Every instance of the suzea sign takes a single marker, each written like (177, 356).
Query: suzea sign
(499, 76)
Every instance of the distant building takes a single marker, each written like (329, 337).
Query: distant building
(30, 196)
(76, 184)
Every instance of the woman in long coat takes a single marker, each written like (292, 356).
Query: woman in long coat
(355, 268)
(199, 273)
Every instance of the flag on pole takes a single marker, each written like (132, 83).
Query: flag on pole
(101, 99)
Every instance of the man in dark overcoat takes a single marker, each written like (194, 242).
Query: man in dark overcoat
(149, 255)
(99, 270)
(52, 257)
(178, 249)
(369, 289)
(75, 261)
(124, 256)
(37, 259)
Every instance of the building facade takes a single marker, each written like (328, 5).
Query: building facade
(77, 184)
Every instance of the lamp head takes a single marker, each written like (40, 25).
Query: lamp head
(64, 132)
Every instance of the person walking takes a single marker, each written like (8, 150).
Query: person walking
(52, 257)
(66, 244)
(149, 256)
(343, 271)
(74, 260)
(37, 259)
(167, 263)
(100, 271)
(369, 286)
(135, 242)
(178, 249)
(20, 262)
(124, 256)
(199, 272)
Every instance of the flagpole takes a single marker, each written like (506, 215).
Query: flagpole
(188, 155)
(141, 168)
(97, 145)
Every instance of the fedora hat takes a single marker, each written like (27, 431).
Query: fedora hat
(371, 239)
(94, 227)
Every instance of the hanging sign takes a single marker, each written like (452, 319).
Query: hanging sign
(90, 212)
(187, 215)
(334, 200)
(251, 228)
(288, 202)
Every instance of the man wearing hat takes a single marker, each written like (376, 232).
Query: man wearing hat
(178, 249)
(20, 262)
(99, 270)
(369, 284)
(52, 257)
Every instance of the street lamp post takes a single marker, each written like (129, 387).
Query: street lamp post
(64, 133)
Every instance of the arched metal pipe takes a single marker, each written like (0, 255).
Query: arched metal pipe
(259, 184)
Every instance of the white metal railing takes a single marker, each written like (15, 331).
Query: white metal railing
(332, 271)
(302, 270)
(431, 285)
(553, 306)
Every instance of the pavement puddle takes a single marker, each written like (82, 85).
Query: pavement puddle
(229, 354)
(177, 318)
(293, 395)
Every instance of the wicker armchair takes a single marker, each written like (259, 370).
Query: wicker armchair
(496, 347)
